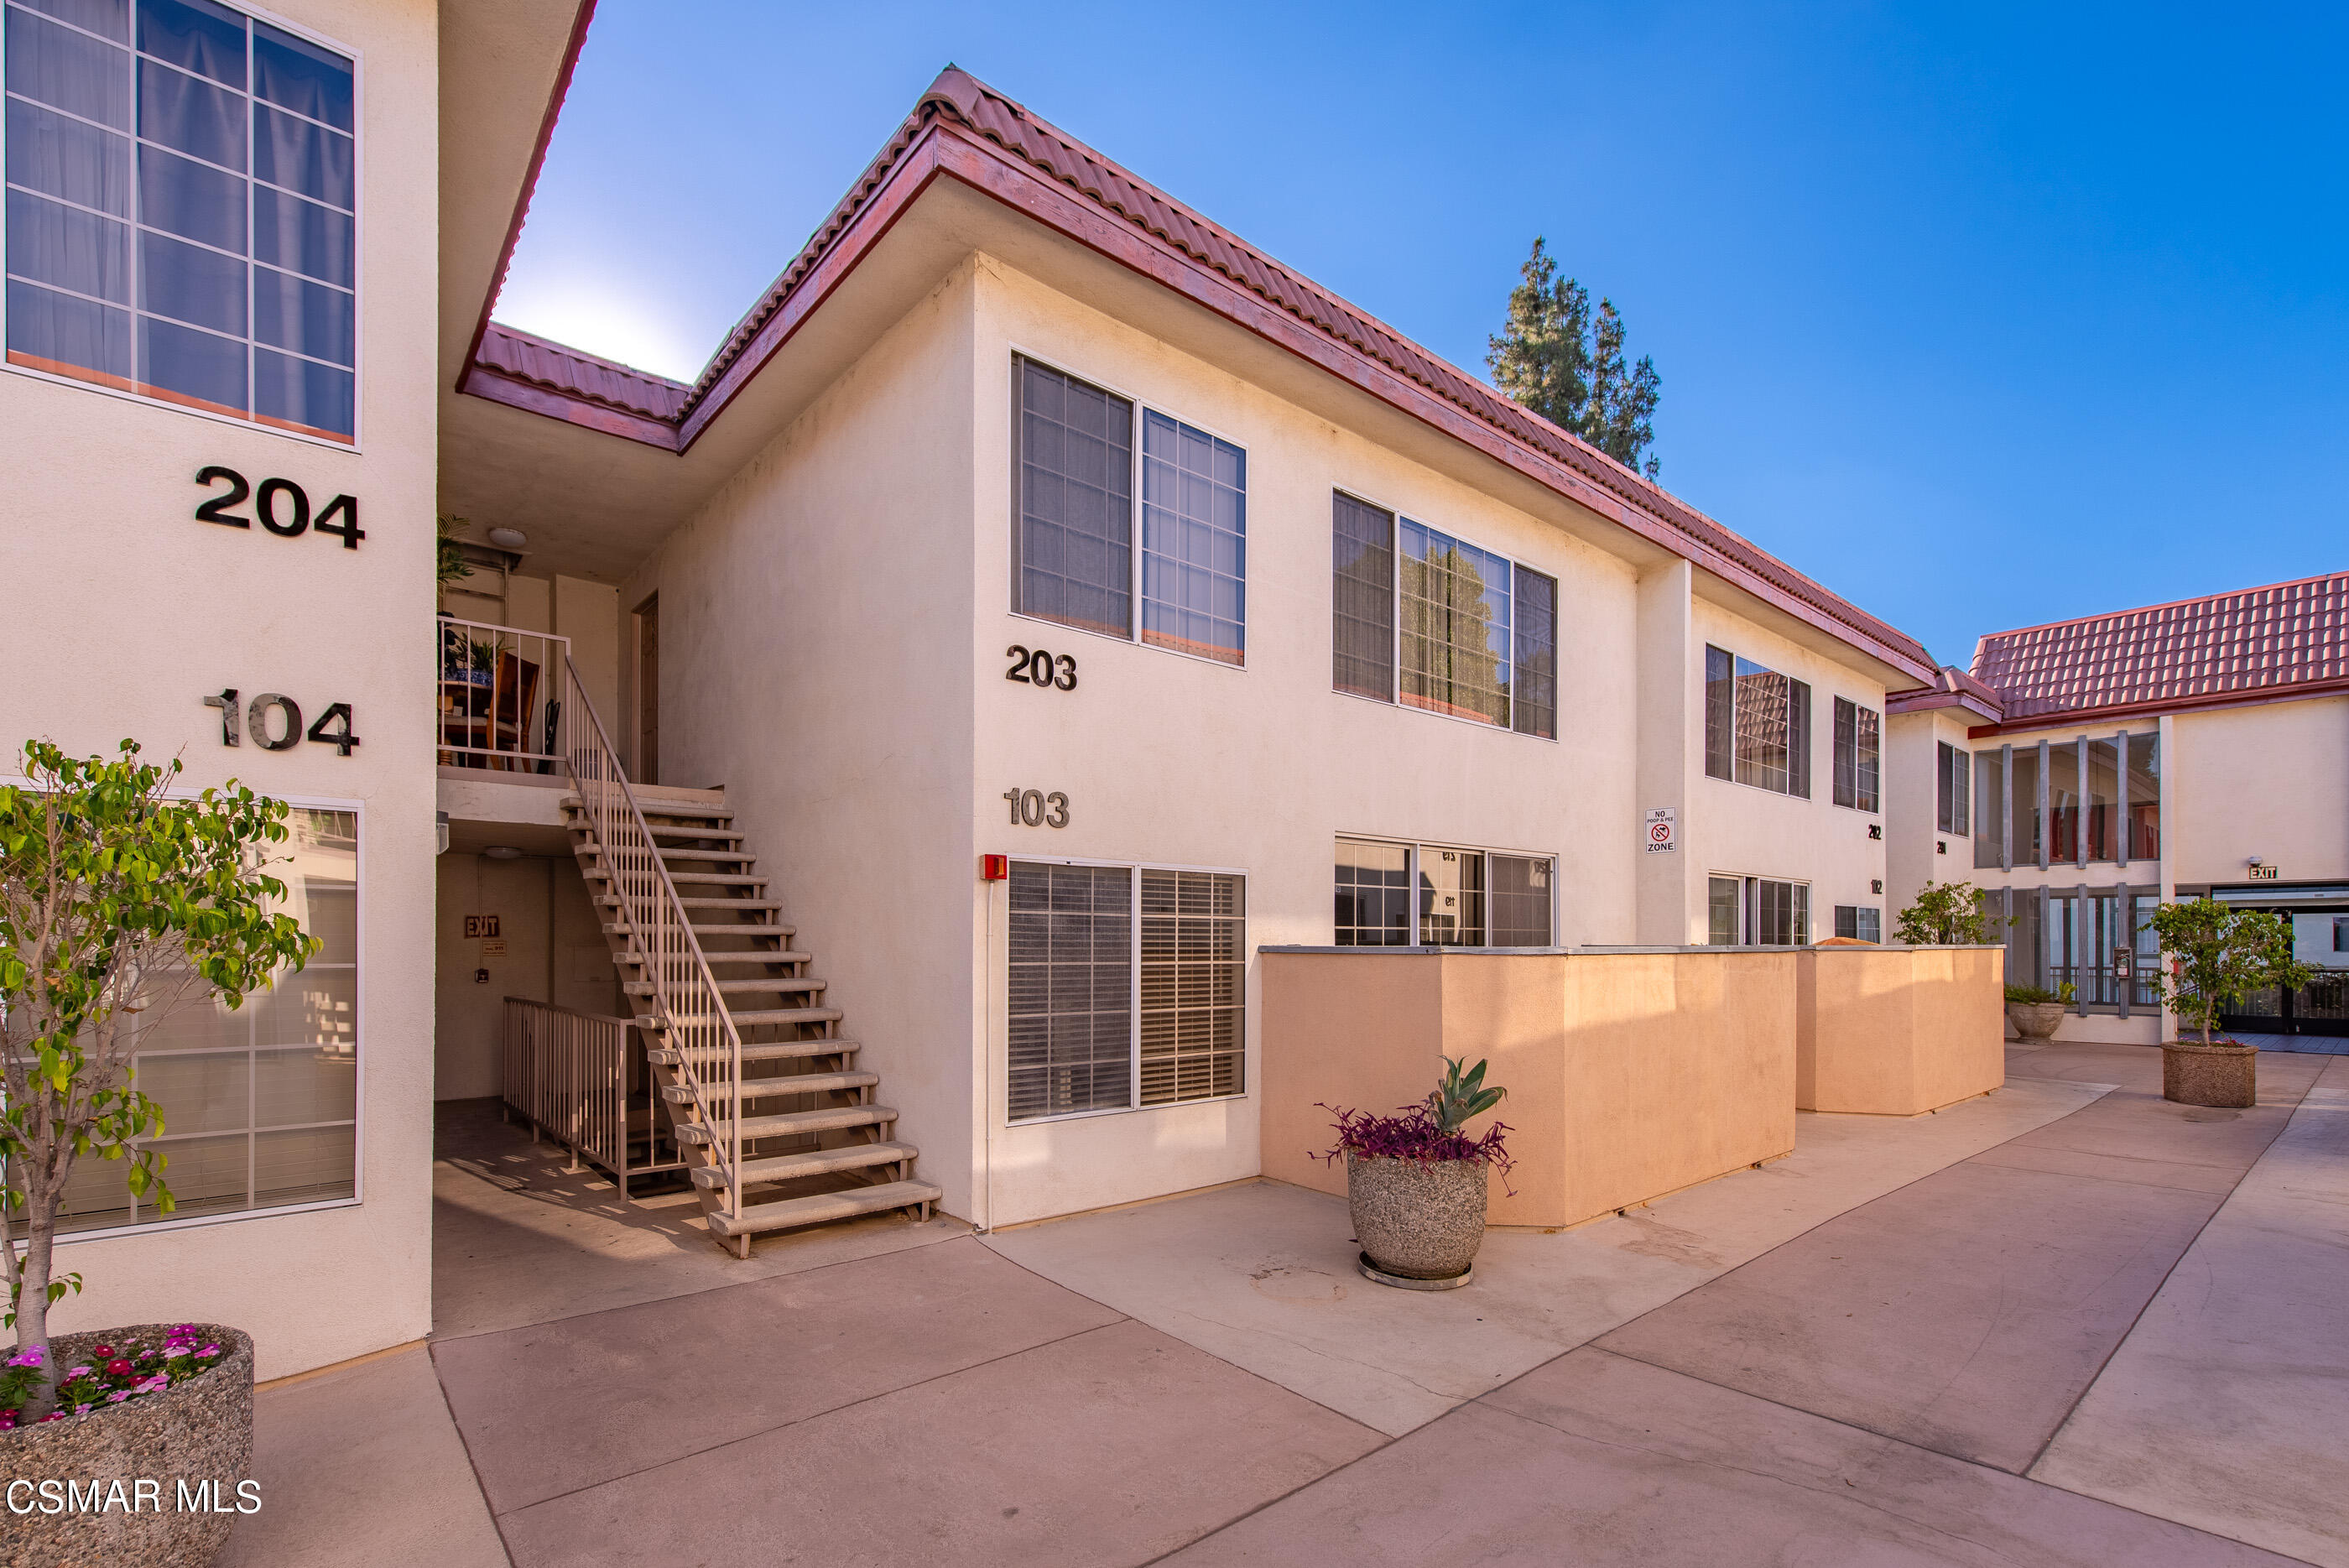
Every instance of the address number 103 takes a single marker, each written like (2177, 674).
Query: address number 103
(1033, 809)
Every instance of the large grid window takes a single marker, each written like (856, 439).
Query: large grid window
(1194, 540)
(1428, 895)
(1757, 725)
(260, 1104)
(181, 209)
(1432, 622)
(1108, 1011)
(1076, 561)
(1757, 911)
(2102, 795)
(1859, 748)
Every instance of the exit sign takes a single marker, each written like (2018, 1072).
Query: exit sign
(481, 925)
(2263, 873)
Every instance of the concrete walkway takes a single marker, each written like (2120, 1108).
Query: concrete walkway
(2011, 1333)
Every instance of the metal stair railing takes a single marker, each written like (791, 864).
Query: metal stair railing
(688, 1009)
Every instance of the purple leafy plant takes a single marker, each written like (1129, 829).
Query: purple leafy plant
(1417, 1136)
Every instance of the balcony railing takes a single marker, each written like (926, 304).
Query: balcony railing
(580, 1079)
(500, 696)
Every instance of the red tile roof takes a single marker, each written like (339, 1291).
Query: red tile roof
(961, 104)
(2287, 638)
(1951, 687)
(607, 382)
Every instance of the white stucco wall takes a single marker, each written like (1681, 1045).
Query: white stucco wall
(2261, 780)
(1734, 829)
(815, 661)
(140, 611)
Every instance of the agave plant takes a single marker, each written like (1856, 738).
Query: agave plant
(1462, 1094)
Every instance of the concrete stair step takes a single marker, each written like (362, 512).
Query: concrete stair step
(652, 802)
(786, 1212)
(775, 1088)
(768, 1051)
(746, 906)
(745, 1018)
(686, 875)
(774, 983)
(636, 960)
(814, 1162)
(795, 1124)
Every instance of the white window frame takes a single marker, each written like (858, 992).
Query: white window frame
(1393, 699)
(358, 1046)
(1002, 964)
(1835, 919)
(1413, 846)
(1810, 731)
(1132, 637)
(359, 140)
(1835, 762)
(1953, 770)
(1747, 886)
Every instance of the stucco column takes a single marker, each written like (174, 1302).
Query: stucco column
(1670, 739)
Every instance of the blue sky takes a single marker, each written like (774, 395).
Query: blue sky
(1984, 316)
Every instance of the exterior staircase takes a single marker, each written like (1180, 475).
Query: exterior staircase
(777, 1123)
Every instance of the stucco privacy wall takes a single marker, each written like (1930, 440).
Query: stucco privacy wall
(815, 661)
(1733, 829)
(1629, 1074)
(1178, 761)
(1897, 1031)
(141, 611)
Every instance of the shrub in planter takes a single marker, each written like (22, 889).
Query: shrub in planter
(2035, 1013)
(1415, 1182)
(118, 903)
(2214, 953)
(1945, 913)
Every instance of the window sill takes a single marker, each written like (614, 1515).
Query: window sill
(118, 1232)
(1120, 1111)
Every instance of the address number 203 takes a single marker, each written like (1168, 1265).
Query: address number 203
(1037, 666)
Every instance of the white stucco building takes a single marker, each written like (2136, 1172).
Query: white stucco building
(1042, 602)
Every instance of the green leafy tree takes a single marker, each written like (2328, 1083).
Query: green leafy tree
(1566, 362)
(117, 903)
(1947, 912)
(2216, 953)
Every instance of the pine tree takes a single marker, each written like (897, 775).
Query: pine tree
(1566, 363)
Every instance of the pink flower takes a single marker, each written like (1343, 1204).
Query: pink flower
(117, 1396)
(209, 1350)
(30, 1357)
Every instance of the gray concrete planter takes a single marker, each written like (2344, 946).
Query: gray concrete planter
(2036, 1021)
(1417, 1221)
(199, 1430)
(2225, 1074)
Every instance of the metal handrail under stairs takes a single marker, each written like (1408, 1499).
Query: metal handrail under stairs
(688, 1010)
(568, 1074)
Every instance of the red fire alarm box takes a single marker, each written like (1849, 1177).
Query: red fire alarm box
(994, 867)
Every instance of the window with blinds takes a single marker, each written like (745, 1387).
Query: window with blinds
(1858, 746)
(1125, 988)
(1434, 622)
(181, 209)
(1070, 996)
(1757, 725)
(1193, 968)
(260, 1104)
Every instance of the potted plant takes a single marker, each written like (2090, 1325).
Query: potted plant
(118, 903)
(2035, 1012)
(2214, 953)
(1415, 1181)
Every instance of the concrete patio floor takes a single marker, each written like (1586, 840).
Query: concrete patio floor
(2066, 1322)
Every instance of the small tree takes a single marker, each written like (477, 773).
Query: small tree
(1947, 912)
(2216, 953)
(116, 902)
